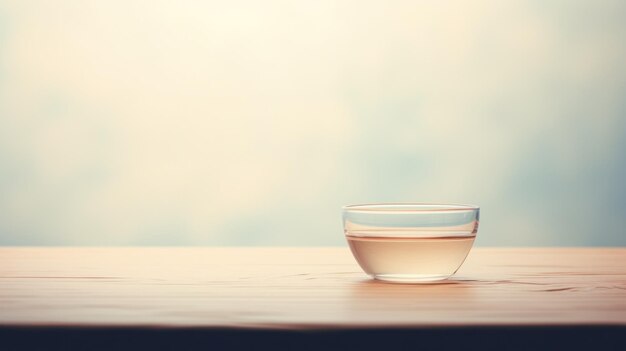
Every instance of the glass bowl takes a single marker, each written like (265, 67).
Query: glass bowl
(410, 242)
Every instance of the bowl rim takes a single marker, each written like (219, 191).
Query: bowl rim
(410, 207)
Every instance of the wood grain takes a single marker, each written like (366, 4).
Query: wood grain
(304, 288)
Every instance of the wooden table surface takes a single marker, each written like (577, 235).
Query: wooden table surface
(285, 291)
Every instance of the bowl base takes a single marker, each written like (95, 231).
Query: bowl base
(410, 278)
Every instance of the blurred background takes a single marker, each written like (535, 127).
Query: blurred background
(142, 122)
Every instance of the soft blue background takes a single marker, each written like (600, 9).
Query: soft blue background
(252, 123)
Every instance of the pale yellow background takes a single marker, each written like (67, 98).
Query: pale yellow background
(252, 122)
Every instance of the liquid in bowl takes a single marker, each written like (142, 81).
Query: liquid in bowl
(410, 259)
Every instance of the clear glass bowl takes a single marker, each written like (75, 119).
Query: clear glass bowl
(410, 242)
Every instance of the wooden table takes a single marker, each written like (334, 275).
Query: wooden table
(306, 298)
